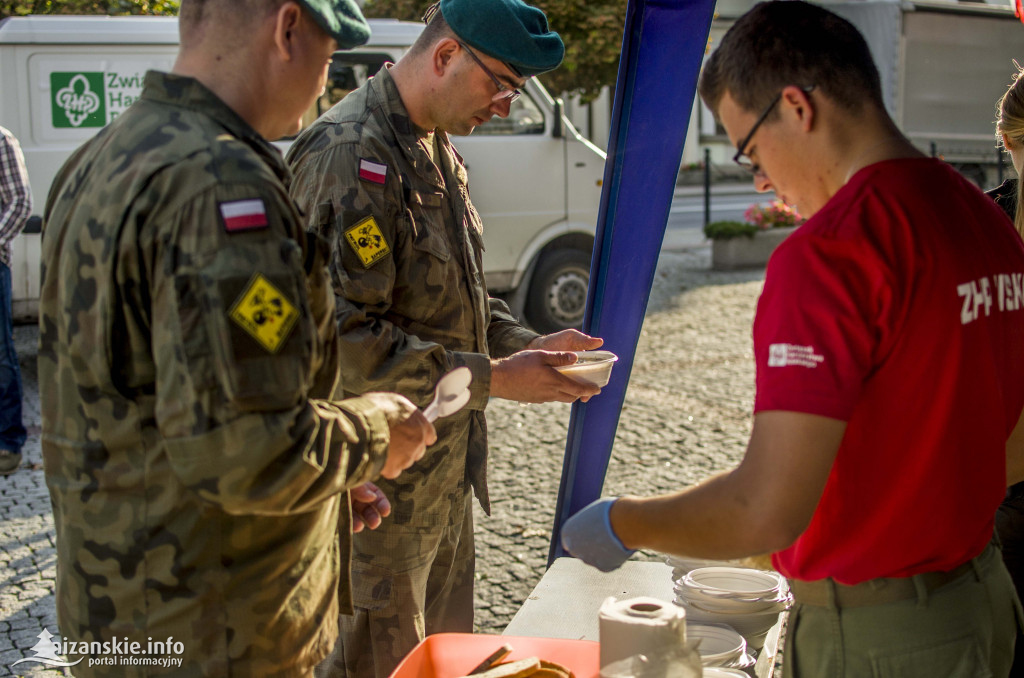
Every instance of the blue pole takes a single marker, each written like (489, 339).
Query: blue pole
(662, 50)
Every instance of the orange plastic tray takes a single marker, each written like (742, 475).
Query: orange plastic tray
(450, 655)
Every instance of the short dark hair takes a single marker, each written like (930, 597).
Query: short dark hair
(436, 29)
(791, 42)
(193, 13)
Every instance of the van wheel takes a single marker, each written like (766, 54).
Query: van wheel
(558, 291)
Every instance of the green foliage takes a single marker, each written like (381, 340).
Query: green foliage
(591, 30)
(111, 7)
(724, 230)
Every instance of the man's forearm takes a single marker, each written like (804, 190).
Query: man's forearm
(715, 520)
(12, 219)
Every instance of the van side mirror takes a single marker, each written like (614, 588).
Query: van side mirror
(557, 130)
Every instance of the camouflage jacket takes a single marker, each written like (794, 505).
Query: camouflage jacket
(185, 321)
(406, 260)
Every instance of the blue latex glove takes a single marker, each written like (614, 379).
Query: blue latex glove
(589, 536)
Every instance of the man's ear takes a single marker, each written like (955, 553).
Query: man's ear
(442, 55)
(287, 29)
(799, 102)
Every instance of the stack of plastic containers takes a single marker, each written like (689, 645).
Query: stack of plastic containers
(748, 601)
(720, 646)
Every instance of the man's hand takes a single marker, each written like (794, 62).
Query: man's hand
(589, 536)
(410, 432)
(566, 340)
(530, 377)
(369, 506)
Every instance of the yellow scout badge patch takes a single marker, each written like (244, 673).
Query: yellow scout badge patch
(265, 313)
(367, 242)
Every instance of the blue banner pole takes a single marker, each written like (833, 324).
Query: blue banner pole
(663, 46)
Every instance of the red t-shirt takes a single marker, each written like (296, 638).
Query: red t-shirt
(899, 309)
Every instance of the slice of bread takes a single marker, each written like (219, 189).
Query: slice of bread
(562, 671)
(517, 669)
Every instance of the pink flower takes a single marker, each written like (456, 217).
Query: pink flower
(775, 215)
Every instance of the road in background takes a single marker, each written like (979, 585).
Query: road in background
(685, 228)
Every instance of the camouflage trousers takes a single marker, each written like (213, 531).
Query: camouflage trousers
(412, 576)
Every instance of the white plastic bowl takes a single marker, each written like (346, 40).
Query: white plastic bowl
(591, 367)
(680, 566)
(723, 672)
(733, 582)
(719, 646)
(728, 606)
(754, 627)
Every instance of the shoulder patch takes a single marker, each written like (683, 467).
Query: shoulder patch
(243, 215)
(367, 241)
(375, 172)
(265, 313)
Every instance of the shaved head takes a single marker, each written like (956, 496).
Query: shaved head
(228, 18)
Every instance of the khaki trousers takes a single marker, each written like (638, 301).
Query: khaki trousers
(396, 608)
(965, 628)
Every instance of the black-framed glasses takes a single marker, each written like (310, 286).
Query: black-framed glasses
(504, 91)
(741, 158)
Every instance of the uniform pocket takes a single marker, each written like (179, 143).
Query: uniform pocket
(390, 567)
(959, 658)
(428, 232)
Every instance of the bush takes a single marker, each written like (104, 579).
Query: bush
(776, 215)
(724, 230)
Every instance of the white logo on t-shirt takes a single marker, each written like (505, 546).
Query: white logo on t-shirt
(1005, 291)
(782, 355)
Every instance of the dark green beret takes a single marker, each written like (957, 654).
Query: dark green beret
(508, 30)
(341, 19)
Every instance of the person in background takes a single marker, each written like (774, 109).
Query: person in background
(378, 177)
(1010, 516)
(889, 376)
(197, 452)
(15, 208)
(1010, 133)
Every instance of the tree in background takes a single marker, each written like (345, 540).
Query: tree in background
(23, 7)
(591, 29)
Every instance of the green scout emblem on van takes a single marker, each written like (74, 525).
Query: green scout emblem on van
(79, 100)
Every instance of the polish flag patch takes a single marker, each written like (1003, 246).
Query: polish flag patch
(243, 215)
(376, 172)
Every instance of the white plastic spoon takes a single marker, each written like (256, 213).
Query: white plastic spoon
(450, 395)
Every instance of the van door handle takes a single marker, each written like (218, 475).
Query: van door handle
(581, 164)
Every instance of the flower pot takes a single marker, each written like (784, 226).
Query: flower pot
(743, 252)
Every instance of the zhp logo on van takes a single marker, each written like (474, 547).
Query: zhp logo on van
(78, 100)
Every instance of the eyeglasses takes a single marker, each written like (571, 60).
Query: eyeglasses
(741, 158)
(504, 91)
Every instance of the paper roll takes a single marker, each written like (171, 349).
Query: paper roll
(639, 626)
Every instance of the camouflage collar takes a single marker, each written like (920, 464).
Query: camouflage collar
(186, 92)
(394, 114)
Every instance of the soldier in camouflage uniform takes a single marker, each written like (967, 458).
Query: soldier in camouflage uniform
(378, 177)
(195, 452)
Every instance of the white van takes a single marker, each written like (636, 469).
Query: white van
(535, 180)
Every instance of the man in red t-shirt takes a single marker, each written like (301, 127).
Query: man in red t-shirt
(890, 375)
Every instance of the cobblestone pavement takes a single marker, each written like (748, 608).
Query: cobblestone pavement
(686, 416)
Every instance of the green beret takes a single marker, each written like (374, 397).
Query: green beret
(508, 30)
(340, 19)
